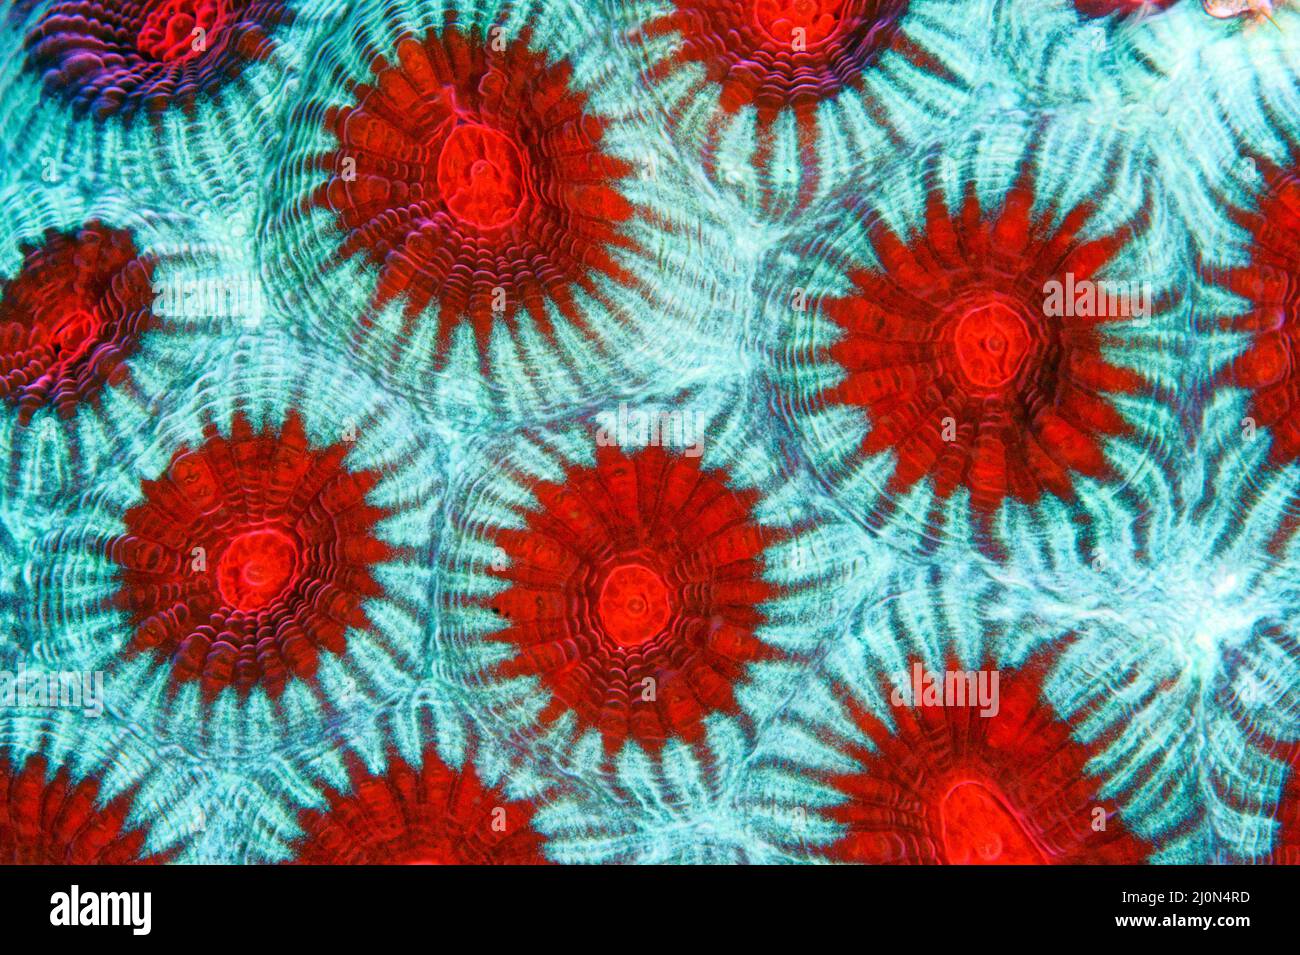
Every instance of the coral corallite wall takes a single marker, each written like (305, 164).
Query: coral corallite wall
(650, 431)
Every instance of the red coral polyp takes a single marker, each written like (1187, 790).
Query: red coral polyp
(432, 815)
(71, 318)
(1270, 282)
(635, 593)
(51, 821)
(967, 368)
(471, 173)
(148, 54)
(970, 784)
(779, 54)
(250, 556)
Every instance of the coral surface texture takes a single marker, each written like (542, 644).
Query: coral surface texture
(650, 431)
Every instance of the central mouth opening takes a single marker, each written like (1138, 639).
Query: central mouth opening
(74, 335)
(991, 341)
(257, 567)
(634, 605)
(481, 176)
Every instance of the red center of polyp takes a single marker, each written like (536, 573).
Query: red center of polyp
(481, 176)
(256, 568)
(634, 605)
(168, 34)
(815, 19)
(979, 828)
(74, 335)
(991, 341)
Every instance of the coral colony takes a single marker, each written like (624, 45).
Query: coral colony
(719, 431)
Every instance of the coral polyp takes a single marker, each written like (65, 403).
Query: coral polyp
(71, 317)
(963, 782)
(977, 351)
(147, 55)
(47, 818)
(471, 174)
(621, 599)
(981, 347)
(249, 558)
(426, 814)
(465, 208)
(635, 589)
